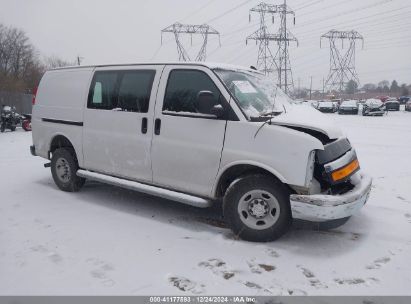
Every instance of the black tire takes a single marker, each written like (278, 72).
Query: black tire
(13, 128)
(64, 159)
(2, 128)
(332, 224)
(234, 196)
(26, 125)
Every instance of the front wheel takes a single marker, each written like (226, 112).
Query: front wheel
(257, 208)
(64, 168)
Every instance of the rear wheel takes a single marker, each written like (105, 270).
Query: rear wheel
(257, 208)
(26, 125)
(64, 167)
(2, 128)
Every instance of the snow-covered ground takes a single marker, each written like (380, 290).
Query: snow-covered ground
(105, 240)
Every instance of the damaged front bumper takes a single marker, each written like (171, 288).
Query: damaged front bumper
(322, 207)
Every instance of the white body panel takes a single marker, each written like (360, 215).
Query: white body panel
(282, 151)
(308, 117)
(186, 155)
(61, 96)
(112, 140)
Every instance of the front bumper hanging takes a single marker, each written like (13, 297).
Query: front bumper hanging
(322, 207)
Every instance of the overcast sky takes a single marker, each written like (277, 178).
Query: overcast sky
(119, 31)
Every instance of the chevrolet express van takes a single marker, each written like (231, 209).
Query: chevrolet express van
(199, 133)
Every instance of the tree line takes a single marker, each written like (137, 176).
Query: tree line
(21, 66)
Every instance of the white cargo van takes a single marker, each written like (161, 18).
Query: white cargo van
(199, 134)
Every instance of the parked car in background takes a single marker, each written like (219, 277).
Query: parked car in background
(326, 107)
(337, 101)
(408, 106)
(313, 103)
(373, 107)
(348, 107)
(404, 99)
(383, 98)
(392, 104)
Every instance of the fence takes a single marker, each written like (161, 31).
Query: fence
(22, 102)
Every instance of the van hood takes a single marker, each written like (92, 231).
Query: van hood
(305, 116)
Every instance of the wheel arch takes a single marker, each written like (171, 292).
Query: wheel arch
(61, 141)
(233, 171)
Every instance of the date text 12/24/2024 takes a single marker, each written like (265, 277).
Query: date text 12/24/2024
(202, 299)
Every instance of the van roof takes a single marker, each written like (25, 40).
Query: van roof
(211, 65)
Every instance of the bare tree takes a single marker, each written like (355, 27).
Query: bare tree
(18, 59)
(53, 62)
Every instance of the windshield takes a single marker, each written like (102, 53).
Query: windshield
(256, 94)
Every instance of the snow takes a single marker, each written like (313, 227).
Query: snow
(374, 103)
(325, 104)
(303, 115)
(110, 241)
(349, 104)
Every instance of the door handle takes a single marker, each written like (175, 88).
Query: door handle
(157, 126)
(144, 125)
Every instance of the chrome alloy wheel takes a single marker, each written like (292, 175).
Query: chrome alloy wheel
(63, 170)
(259, 209)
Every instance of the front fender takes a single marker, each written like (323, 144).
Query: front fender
(284, 152)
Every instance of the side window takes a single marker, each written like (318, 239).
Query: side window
(183, 89)
(135, 90)
(123, 90)
(103, 91)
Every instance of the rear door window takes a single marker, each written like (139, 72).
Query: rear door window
(103, 90)
(127, 91)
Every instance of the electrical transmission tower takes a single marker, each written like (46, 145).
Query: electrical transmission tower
(280, 62)
(204, 30)
(342, 65)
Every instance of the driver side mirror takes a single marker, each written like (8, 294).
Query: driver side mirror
(218, 111)
(207, 104)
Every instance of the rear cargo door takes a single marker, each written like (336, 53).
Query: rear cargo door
(118, 120)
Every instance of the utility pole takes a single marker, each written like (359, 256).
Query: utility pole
(204, 30)
(280, 62)
(342, 65)
(79, 59)
(311, 86)
(285, 56)
(323, 86)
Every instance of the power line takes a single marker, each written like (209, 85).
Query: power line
(349, 22)
(198, 10)
(229, 11)
(325, 8)
(342, 66)
(309, 4)
(267, 61)
(204, 30)
(345, 13)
